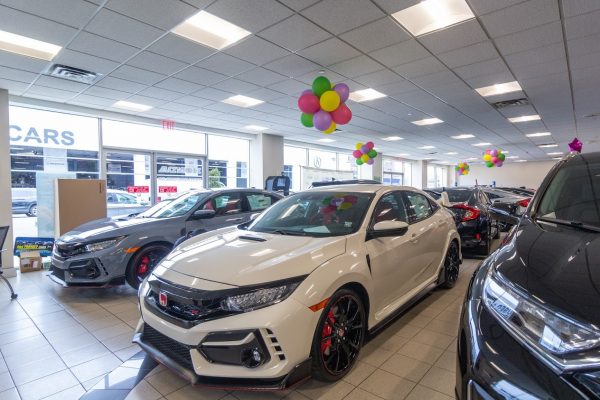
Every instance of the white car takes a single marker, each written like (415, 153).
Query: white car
(293, 293)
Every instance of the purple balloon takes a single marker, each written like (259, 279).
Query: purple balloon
(494, 153)
(499, 164)
(343, 90)
(306, 91)
(371, 161)
(364, 149)
(322, 120)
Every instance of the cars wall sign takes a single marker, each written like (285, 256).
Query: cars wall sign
(41, 244)
(138, 189)
(167, 189)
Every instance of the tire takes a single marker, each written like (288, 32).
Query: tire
(338, 338)
(32, 212)
(451, 266)
(143, 262)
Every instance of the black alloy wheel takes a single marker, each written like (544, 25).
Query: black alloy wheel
(143, 262)
(451, 266)
(32, 212)
(339, 336)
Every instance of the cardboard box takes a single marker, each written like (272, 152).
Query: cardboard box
(30, 261)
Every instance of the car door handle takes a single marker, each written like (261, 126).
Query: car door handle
(234, 220)
(414, 238)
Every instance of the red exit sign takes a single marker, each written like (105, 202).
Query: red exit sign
(138, 189)
(167, 189)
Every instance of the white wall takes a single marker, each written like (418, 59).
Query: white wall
(528, 174)
(266, 158)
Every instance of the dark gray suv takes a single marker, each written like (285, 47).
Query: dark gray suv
(114, 250)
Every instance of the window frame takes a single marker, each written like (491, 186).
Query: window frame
(397, 194)
(411, 214)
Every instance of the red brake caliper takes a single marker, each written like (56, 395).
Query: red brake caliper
(143, 265)
(327, 331)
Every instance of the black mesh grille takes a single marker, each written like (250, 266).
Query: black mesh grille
(59, 273)
(69, 250)
(179, 352)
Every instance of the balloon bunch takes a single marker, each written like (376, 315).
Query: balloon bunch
(338, 202)
(323, 106)
(494, 158)
(365, 153)
(576, 145)
(462, 168)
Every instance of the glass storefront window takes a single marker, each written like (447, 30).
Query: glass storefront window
(127, 177)
(436, 176)
(178, 174)
(228, 162)
(396, 172)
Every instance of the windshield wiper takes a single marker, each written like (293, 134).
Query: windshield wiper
(573, 223)
(291, 233)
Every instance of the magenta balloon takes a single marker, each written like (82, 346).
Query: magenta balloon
(370, 145)
(357, 153)
(495, 160)
(343, 90)
(308, 103)
(371, 161)
(341, 115)
(322, 120)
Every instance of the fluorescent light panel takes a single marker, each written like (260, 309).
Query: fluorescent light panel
(463, 136)
(242, 101)
(366, 95)
(431, 15)
(555, 153)
(210, 30)
(326, 140)
(426, 147)
(525, 118)
(499, 88)
(512, 157)
(427, 121)
(538, 134)
(545, 146)
(452, 153)
(482, 144)
(128, 105)
(256, 128)
(26, 46)
(392, 138)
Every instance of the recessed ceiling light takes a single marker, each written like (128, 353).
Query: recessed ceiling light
(326, 140)
(26, 46)
(482, 144)
(525, 118)
(256, 128)
(427, 121)
(520, 160)
(426, 147)
(555, 153)
(242, 101)
(545, 146)
(463, 136)
(366, 95)
(472, 159)
(210, 30)
(505, 151)
(538, 134)
(403, 154)
(431, 15)
(557, 158)
(128, 105)
(499, 88)
(512, 157)
(452, 153)
(392, 138)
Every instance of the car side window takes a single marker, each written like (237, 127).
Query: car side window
(111, 198)
(227, 204)
(390, 208)
(419, 206)
(484, 198)
(258, 201)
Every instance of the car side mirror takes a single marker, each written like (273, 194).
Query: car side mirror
(444, 200)
(203, 214)
(503, 216)
(388, 228)
(254, 216)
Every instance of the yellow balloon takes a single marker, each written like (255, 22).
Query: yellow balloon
(461, 165)
(365, 157)
(331, 128)
(487, 157)
(358, 146)
(330, 100)
(345, 205)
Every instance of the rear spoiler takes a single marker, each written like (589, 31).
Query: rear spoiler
(444, 201)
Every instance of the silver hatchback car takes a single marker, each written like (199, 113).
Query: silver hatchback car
(125, 249)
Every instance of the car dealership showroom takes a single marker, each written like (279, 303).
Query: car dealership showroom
(299, 199)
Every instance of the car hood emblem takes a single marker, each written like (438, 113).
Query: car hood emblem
(162, 299)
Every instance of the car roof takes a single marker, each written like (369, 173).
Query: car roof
(359, 188)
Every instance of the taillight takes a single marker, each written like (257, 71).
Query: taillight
(470, 213)
(524, 203)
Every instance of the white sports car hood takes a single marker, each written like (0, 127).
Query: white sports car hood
(241, 258)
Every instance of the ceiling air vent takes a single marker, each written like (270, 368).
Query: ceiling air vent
(511, 103)
(73, 74)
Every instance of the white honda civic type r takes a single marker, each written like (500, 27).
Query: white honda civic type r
(293, 293)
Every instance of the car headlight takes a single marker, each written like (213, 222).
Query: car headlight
(554, 335)
(258, 298)
(104, 244)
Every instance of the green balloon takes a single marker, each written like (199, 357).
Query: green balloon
(501, 157)
(307, 120)
(372, 153)
(489, 164)
(359, 161)
(320, 85)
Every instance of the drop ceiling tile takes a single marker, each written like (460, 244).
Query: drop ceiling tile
(469, 55)
(349, 14)
(85, 61)
(121, 28)
(212, 94)
(159, 93)
(392, 6)
(163, 14)
(520, 17)
(74, 13)
(120, 84)
(329, 52)
(265, 94)
(454, 37)
(261, 77)
(576, 7)
(401, 53)
(178, 85)
(493, 66)
(194, 101)
(582, 25)
(253, 15)
(295, 33)
(54, 94)
(292, 66)
(418, 68)
(376, 35)
(225, 64)
(584, 46)
(256, 50)
(13, 87)
(146, 100)
(399, 87)
(92, 100)
(378, 78)
(548, 54)
(236, 86)
(360, 65)
(16, 61)
(539, 36)
(299, 4)
(18, 75)
(490, 79)
(289, 87)
(223, 108)
(200, 76)
(138, 75)
(107, 93)
(57, 83)
(180, 49)
(101, 47)
(178, 107)
(431, 81)
(156, 63)
(34, 27)
(482, 7)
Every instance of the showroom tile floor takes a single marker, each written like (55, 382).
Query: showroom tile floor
(58, 343)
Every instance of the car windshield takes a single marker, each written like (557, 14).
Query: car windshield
(175, 208)
(573, 195)
(458, 195)
(315, 214)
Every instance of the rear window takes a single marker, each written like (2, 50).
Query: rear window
(459, 196)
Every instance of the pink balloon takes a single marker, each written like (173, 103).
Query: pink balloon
(487, 152)
(370, 145)
(322, 120)
(495, 159)
(371, 161)
(341, 115)
(309, 103)
(494, 153)
(343, 90)
(357, 153)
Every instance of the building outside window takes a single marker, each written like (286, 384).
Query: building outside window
(228, 161)
(397, 172)
(241, 174)
(436, 176)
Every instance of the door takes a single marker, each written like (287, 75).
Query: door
(176, 174)
(128, 177)
(393, 259)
